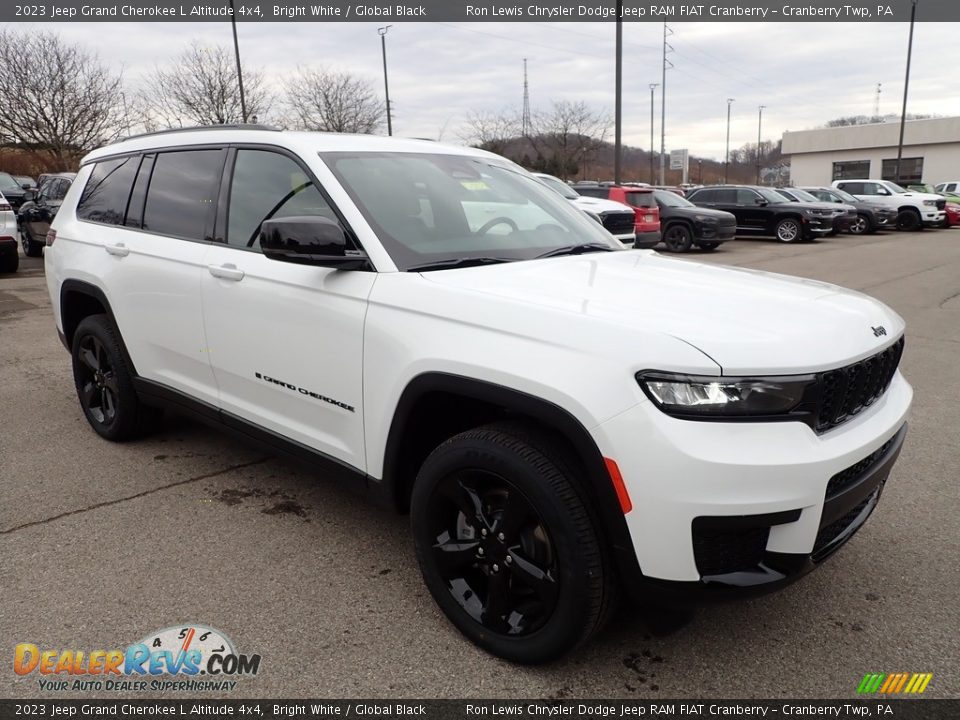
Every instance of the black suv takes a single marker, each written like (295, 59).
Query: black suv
(764, 212)
(683, 224)
(39, 209)
(871, 216)
(12, 190)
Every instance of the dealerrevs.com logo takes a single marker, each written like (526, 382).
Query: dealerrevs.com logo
(186, 657)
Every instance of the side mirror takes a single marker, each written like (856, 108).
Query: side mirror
(760, 201)
(309, 240)
(29, 196)
(26, 186)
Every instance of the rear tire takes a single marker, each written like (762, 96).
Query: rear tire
(104, 383)
(506, 543)
(31, 248)
(678, 238)
(10, 263)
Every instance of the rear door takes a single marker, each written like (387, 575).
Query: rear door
(155, 213)
(285, 340)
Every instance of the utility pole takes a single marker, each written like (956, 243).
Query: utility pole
(618, 98)
(236, 50)
(653, 86)
(876, 103)
(726, 160)
(386, 85)
(906, 87)
(525, 120)
(663, 102)
(759, 127)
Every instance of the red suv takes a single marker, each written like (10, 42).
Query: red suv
(645, 209)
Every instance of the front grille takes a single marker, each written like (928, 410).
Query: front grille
(826, 536)
(618, 223)
(849, 390)
(845, 478)
(718, 552)
(942, 204)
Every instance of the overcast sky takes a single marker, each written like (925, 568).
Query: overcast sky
(804, 73)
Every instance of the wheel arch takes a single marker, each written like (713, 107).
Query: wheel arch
(80, 299)
(417, 428)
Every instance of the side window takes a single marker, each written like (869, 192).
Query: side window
(593, 192)
(105, 196)
(854, 188)
(183, 192)
(139, 194)
(703, 196)
(267, 185)
(726, 196)
(640, 199)
(746, 197)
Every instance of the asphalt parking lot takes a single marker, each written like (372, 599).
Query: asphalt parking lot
(101, 543)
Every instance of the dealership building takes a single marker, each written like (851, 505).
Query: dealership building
(931, 152)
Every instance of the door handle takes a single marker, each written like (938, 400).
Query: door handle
(120, 250)
(228, 271)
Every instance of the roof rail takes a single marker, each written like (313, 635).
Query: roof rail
(196, 128)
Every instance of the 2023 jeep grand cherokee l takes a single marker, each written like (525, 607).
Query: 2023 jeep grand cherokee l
(437, 326)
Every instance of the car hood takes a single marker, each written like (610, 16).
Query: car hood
(920, 195)
(599, 205)
(691, 212)
(747, 321)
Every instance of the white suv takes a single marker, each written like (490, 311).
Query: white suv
(456, 339)
(618, 219)
(915, 210)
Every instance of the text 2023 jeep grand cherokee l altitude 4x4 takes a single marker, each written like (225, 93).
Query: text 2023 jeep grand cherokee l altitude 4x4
(436, 325)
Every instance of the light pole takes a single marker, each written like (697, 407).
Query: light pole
(618, 113)
(236, 50)
(726, 160)
(759, 127)
(653, 86)
(906, 86)
(386, 85)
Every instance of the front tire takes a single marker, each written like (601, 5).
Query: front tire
(678, 238)
(104, 383)
(909, 221)
(789, 230)
(31, 248)
(506, 543)
(708, 247)
(861, 226)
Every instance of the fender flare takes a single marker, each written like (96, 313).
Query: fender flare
(81, 287)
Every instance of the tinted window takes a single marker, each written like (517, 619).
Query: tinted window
(60, 187)
(727, 196)
(640, 199)
(748, 197)
(701, 196)
(182, 193)
(854, 188)
(268, 185)
(107, 191)
(596, 192)
(139, 194)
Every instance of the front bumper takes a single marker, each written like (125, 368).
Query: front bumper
(933, 217)
(747, 507)
(715, 233)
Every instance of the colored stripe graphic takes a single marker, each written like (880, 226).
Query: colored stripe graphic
(894, 683)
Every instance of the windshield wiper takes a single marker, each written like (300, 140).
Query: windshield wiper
(576, 250)
(457, 263)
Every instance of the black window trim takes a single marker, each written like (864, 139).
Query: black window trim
(223, 205)
(126, 206)
(156, 151)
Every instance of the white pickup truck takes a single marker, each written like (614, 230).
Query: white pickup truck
(915, 210)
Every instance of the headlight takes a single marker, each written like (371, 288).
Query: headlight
(930, 203)
(691, 395)
(705, 219)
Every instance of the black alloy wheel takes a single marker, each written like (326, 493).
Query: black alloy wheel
(105, 384)
(909, 221)
(506, 544)
(31, 248)
(678, 238)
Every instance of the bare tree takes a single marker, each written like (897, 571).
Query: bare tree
(59, 99)
(201, 88)
(567, 136)
(491, 131)
(332, 101)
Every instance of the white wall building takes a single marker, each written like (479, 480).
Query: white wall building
(931, 152)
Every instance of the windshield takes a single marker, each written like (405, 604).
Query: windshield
(770, 195)
(8, 183)
(801, 195)
(671, 199)
(893, 187)
(845, 196)
(429, 208)
(559, 185)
